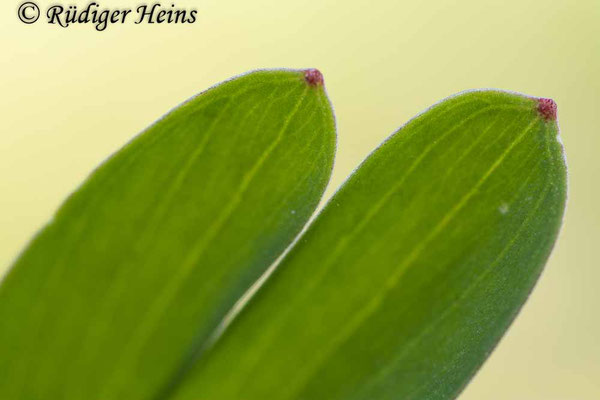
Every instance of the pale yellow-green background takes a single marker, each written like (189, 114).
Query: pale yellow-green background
(69, 97)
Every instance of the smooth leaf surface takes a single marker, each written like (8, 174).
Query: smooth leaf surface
(406, 281)
(125, 284)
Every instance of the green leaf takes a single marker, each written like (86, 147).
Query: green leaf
(141, 263)
(406, 281)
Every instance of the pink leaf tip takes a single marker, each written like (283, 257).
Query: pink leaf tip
(314, 77)
(547, 109)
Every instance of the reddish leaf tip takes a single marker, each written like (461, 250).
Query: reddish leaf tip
(547, 109)
(314, 77)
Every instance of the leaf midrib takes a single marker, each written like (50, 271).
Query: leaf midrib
(442, 316)
(391, 283)
(165, 297)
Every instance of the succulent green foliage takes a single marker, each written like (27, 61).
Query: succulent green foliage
(122, 288)
(406, 281)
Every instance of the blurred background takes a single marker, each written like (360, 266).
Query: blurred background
(70, 97)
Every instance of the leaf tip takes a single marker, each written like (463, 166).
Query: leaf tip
(547, 109)
(313, 77)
